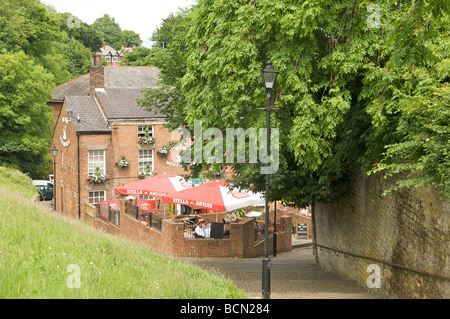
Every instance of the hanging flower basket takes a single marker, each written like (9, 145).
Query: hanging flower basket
(97, 177)
(122, 162)
(163, 151)
(216, 173)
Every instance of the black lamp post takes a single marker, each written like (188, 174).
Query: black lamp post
(54, 154)
(269, 75)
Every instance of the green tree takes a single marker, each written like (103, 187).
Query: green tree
(140, 56)
(26, 25)
(131, 38)
(25, 118)
(110, 30)
(171, 61)
(56, 63)
(170, 29)
(408, 98)
(228, 45)
(78, 57)
(348, 93)
(43, 34)
(80, 31)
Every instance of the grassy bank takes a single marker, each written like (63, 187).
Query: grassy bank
(44, 254)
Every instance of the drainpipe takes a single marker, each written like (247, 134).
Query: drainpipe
(79, 195)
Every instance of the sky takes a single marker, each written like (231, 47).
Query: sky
(141, 16)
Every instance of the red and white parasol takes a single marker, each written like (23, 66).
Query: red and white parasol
(156, 186)
(215, 196)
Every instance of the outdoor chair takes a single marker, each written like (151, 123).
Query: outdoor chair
(217, 230)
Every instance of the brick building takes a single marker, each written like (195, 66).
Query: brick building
(98, 123)
(114, 57)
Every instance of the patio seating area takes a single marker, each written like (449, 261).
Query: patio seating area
(173, 235)
(204, 230)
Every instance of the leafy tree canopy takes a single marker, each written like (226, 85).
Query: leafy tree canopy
(110, 31)
(37, 52)
(131, 38)
(113, 35)
(80, 31)
(350, 92)
(25, 118)
(169, 54)
(140, 56)
(26, 25)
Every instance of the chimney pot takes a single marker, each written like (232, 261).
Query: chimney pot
(96, 58)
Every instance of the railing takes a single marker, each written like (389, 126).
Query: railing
(108, 214)
(189, 229)
(131, 209)
(152, 220)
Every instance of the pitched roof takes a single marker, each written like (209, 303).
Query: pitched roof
(120, 103)
(91, 117)
(131, 76)
(115, 77)
(118, 99)
(106, 49)
(77, 87)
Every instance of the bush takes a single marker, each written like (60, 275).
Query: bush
(14, 176)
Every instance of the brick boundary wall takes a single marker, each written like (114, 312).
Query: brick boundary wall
(170, 239)
(405, 229)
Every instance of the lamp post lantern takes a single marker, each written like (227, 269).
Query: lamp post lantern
(54, 154)
(269, 75)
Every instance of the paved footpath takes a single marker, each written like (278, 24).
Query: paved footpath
(294, 275)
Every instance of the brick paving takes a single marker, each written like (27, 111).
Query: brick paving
(294, 275)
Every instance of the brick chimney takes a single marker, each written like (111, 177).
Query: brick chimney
(97, 73)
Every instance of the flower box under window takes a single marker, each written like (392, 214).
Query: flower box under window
(97, 177)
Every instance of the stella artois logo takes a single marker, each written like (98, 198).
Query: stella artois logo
(240, 195)
(186, 184)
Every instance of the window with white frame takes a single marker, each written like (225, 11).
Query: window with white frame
(96, 158)
(97, 196)
(146, 197)
(116, 58)
(145, 160)
(108, 58)
(141, 130)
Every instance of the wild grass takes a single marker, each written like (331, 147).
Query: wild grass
(44, 255)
